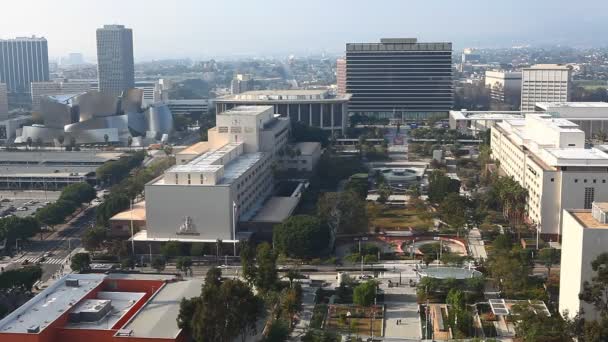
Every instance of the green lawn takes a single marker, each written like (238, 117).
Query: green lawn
(399, 219)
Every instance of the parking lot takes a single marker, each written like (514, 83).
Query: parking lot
(24, 203)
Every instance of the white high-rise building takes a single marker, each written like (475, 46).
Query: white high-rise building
(545, 83)
(547, 156)
(585, 238)
(241, 83)
(505, 86)
(115, 64)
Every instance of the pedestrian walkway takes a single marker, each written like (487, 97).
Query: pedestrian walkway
(35, 259)
(308, 305)
(476, 245)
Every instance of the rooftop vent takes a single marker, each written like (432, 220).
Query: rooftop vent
(71, 283)
(33, 329)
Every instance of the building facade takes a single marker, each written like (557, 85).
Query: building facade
(400, 78)
(23, 61)
(241, 83)
(115, 66)
(3, 102)
(65, 87)
(545, 83)
(585, 238)
(187, 107)
(548, 158)
(203, 199)
(315, 107)
(341, 75)
(591, 117)
(505, 86)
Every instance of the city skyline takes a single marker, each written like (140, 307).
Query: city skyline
(200, 30)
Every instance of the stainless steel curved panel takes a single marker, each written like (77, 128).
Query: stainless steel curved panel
(93, 104)
(159, 119)
(131, 100)
(55, 114)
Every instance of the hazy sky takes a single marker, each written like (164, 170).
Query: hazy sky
(205, 28)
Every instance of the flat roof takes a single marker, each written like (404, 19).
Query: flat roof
(247, 110)
(137, 214)
(545, 105)
(288, 95)
(157, 318)
(308, 148)
(586, 219)
(578, 153)
(485, 115)
(41, 157)
(276, 209)
(49, 304)
(121, 303)
(198, 148)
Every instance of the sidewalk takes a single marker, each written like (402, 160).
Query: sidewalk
(476, 245)
(308, 304)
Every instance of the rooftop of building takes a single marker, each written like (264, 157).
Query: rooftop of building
(546, 105)
(57, 157)
(121, 303)
(485, 115)
(247, 110)
(586, 219)
(50, 304)
(285, 95)
(578, 153)
(276, 209)
(157, 319)
(399, 44)
(549, 66)
(307, 148)
(198, 148)
(138, 213)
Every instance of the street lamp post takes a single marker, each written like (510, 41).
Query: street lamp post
(234, 208)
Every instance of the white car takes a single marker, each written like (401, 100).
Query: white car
(22, 209)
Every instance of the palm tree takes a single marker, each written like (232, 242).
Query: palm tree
(129, 141)
(61, 140)
(601, 135)
(29, 142)
(106, 138)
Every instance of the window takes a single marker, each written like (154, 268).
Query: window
(552, 179)
(589, 197)
(603, 181)
(584, 180)
(189, 182)
(576, 181)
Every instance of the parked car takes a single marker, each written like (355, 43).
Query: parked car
(22, 209)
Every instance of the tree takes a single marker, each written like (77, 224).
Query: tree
(364, 294)
(78, 193)
(248, 265)
(440, 185)
(106, 139)
(93, 238)
(158, 264)
(384, 192)
(549, 257)
(112, 205)
(29, 142)
(266, 277)
(183, 264)
(301, 236)
(532, 326)
(171, 249)
(344, 212)
(22, 278)
(595, 292)
(292, 275)
(81, 262)
(278, 331)
(453, 210)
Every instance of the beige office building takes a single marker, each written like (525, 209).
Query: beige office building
(585, 237)
(545, 83)
(547, 156)
(505, 86)
(218, 183)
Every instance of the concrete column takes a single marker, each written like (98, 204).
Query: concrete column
(310, 115)
(299, 112)
(321, 116)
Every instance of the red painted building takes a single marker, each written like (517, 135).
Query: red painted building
(102, 308)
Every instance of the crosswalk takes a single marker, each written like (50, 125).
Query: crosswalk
(35, 259)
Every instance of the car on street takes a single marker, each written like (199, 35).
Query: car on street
(22, 209)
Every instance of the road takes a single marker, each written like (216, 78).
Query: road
(56, 246)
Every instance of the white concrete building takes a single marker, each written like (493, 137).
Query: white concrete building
(547, 156)
(474, 122)
(203, 198)
(301, 157)
(545, 83)
(585, 237)
(503, 85)
(591, 117)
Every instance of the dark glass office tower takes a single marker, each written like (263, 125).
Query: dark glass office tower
(115, 66)
(400, 78)
(23, 61)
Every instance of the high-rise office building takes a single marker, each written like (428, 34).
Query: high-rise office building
(23, 61)
(545, 83)
(400, 78)
(241, 83)
(505, 87)
(3, 101)
(341, 75)
(115, 67)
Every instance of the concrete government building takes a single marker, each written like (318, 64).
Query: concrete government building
(544, 83)
(400, 78)
(314, 107)
(547, 156)
(585, 238)
(217, 183)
